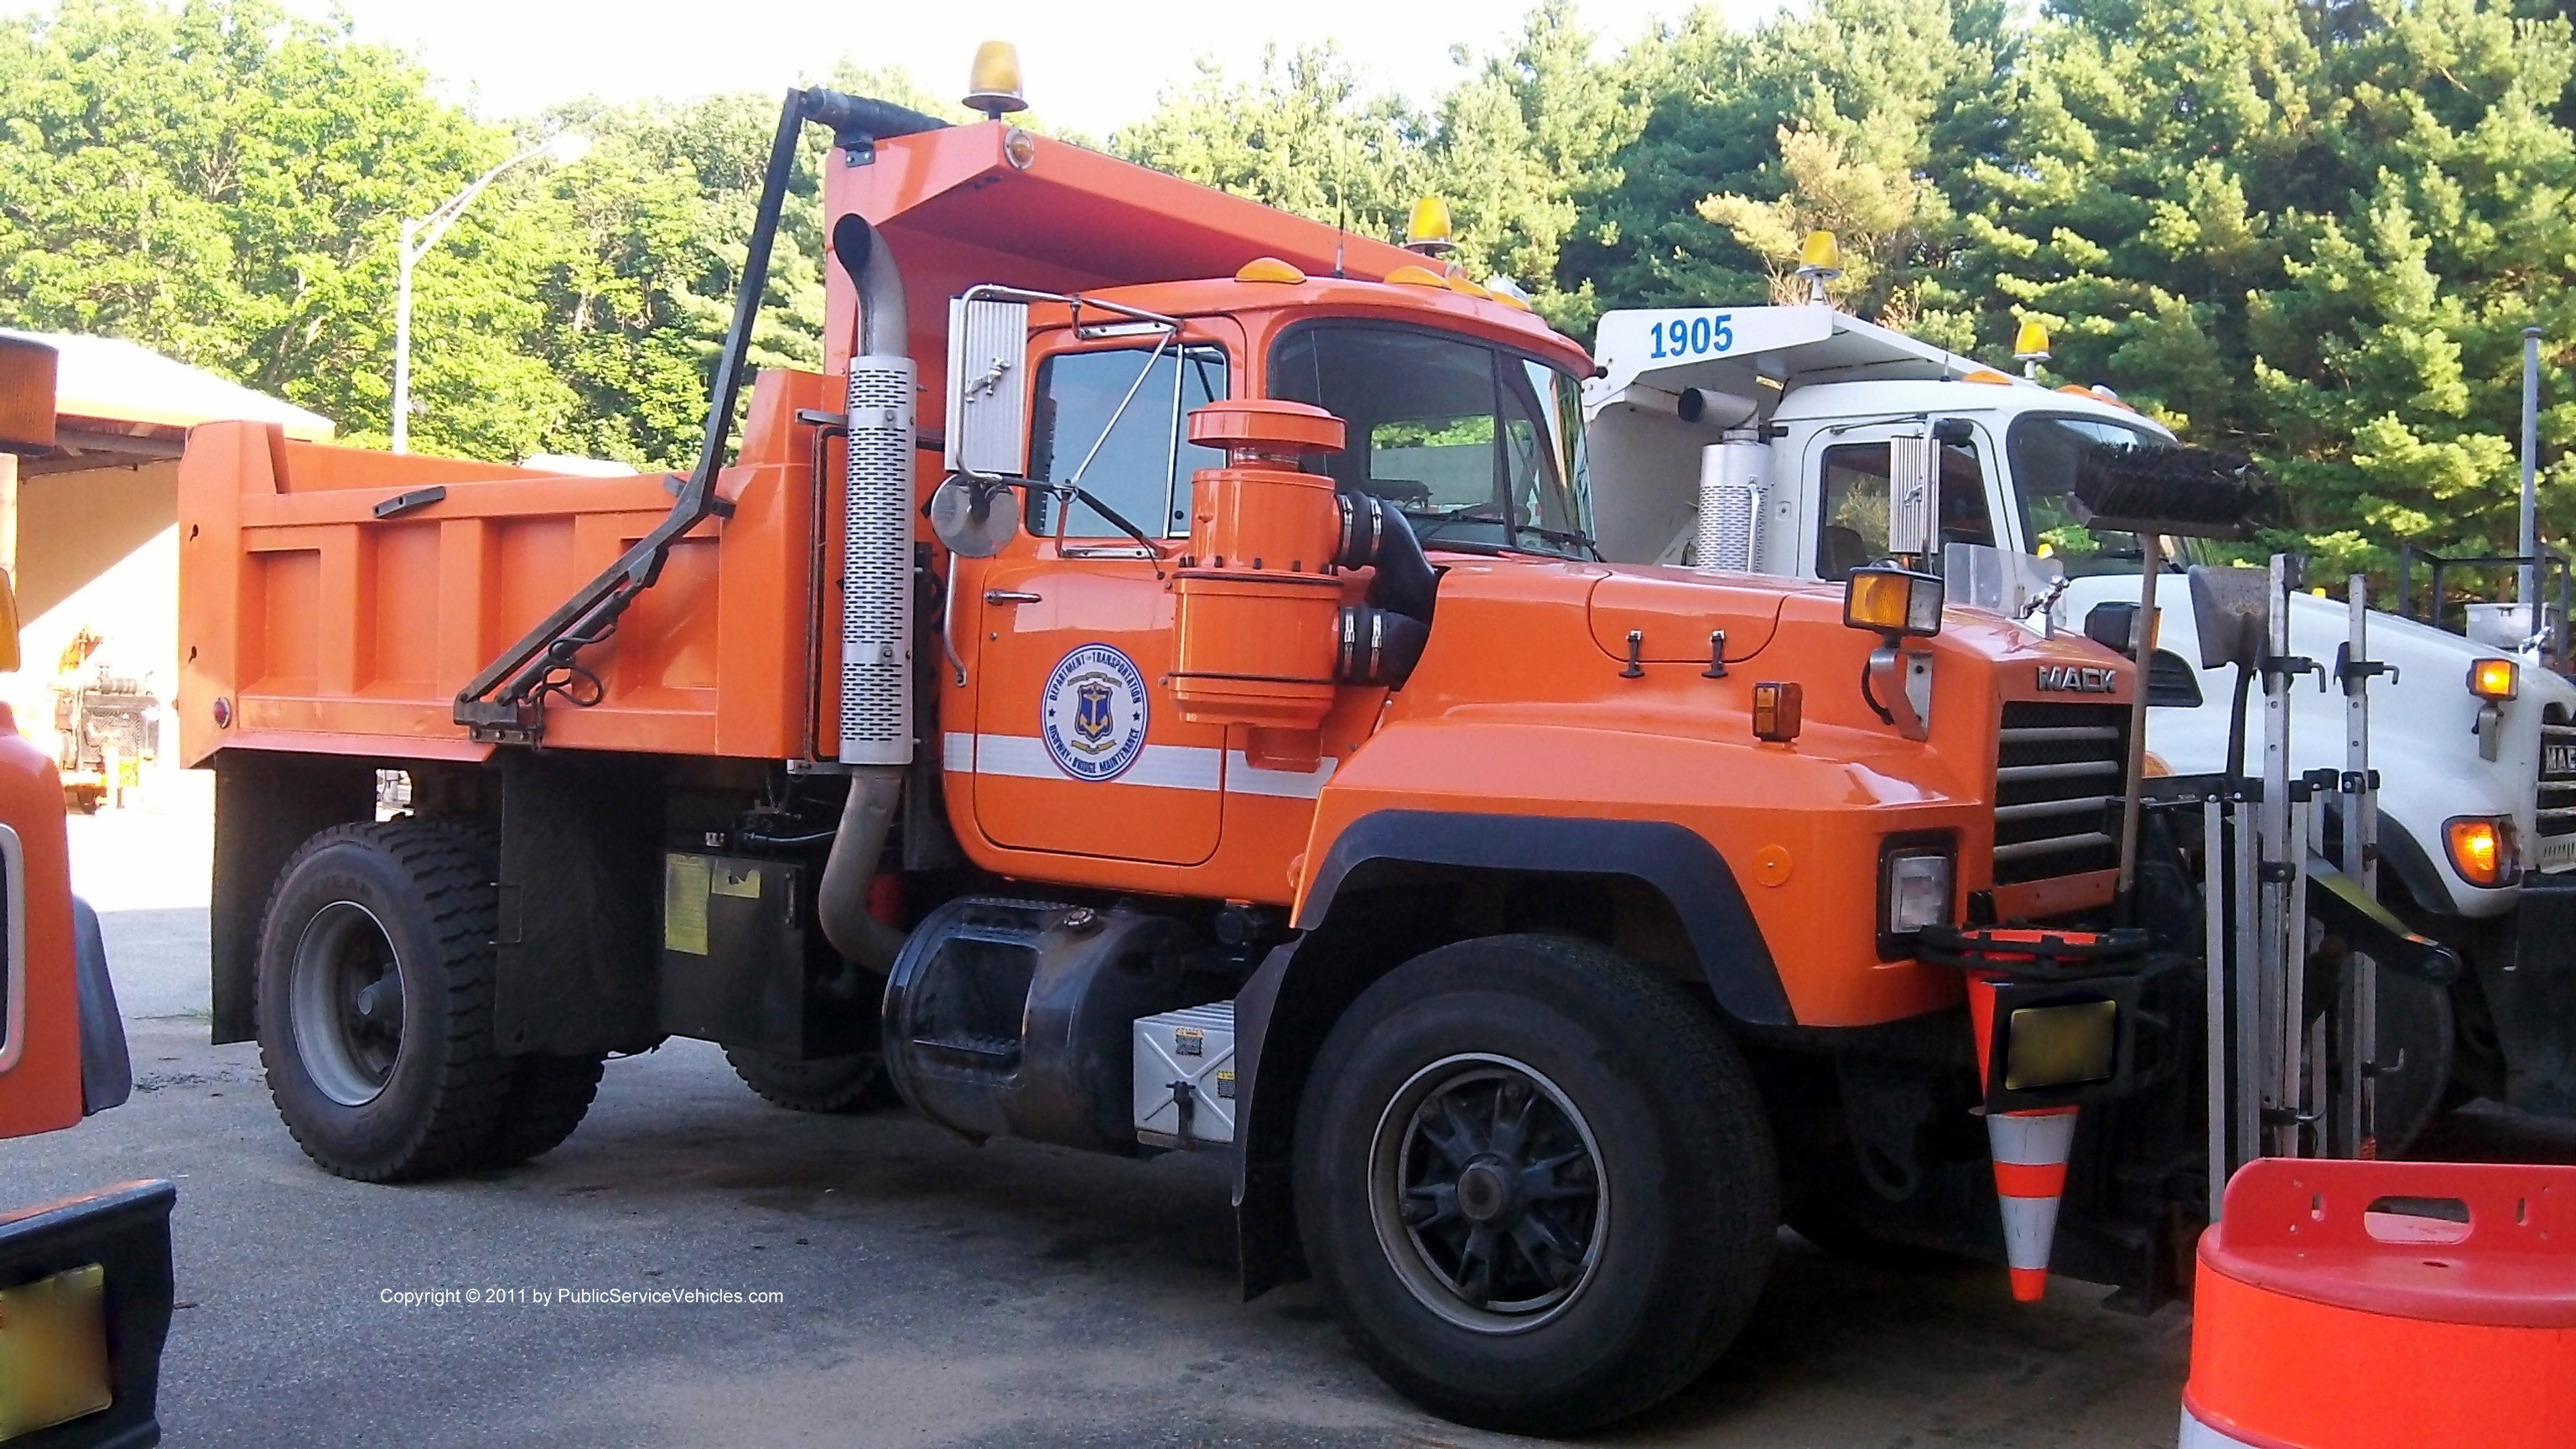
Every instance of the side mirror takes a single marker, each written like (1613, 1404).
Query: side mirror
(988, 424)
(1913, 496)
(2231, 611)
(8, 624)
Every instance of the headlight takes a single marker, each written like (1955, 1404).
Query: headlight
(1915, 889)
(1892, 601)
(2483, 849)
(2495, 680)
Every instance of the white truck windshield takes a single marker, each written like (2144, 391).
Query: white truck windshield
(2044, 450)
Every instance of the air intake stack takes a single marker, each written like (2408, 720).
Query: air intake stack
(1259, 593)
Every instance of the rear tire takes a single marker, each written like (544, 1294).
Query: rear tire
(546, 1099)
(855, 1083)
(1614, 1215)
(375, 1000)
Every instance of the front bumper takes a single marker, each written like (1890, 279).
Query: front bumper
(125, 1232)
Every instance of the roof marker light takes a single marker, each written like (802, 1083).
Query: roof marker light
(1269, 269)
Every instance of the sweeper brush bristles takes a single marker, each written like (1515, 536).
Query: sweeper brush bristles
(2171, 490)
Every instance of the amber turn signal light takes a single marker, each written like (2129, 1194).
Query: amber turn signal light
(2482, 849)
(1892, 601)
(1777, 710)
(2496, 680)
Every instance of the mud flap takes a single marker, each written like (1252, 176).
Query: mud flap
(107, 1072)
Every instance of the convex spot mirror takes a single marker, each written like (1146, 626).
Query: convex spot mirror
(988, 427)
(972, 519)
(2231, 611)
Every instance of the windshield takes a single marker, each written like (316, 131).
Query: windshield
(2044, 451)
(1475, 444)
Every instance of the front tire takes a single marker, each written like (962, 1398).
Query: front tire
(1535, 1183)
(374, 988)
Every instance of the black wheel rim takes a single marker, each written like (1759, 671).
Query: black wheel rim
(1488, 1195)
(345, 1001)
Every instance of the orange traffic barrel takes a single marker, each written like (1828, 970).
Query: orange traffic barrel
(2386, 1305)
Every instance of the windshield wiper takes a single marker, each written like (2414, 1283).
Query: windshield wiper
(1437, 519)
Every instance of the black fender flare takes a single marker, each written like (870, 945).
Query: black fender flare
(1676, 861)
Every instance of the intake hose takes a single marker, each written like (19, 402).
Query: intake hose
(1380, 641)
(1377, 536)
(877, 589)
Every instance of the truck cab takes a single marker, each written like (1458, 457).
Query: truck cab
(1806, 404)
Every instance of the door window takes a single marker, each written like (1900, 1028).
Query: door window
(1132, 458)
(1854, 504)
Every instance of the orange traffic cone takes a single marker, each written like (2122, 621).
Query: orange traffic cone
(2030, 1151)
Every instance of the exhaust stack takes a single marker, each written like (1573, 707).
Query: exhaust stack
(877, 503)
(876, 598)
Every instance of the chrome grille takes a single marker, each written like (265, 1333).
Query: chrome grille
(2557, 815)
(2058, 778)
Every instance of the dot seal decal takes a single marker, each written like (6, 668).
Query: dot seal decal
(1093, 714)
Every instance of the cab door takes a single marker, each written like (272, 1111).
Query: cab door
(1078, 747)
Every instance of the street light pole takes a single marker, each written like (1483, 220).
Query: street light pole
(419, 236)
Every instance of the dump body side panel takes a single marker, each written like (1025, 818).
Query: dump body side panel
(321, 626)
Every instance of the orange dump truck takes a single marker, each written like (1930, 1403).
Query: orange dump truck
(1154, 691)
(85, 1284)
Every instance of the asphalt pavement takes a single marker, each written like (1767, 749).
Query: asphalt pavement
(876, 1281)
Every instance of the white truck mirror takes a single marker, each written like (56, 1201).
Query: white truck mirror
(1913, 495)
(988, 430)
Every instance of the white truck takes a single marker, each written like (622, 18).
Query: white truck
(1791, 421)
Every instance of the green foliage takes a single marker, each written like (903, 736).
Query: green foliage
(2310, 230)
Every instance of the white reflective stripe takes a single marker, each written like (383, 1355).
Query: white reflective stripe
(2197, 1435)
(2034, 1141)
(2030, 1225)
(1242, 777)
(1165, 767)
(1022, 755)
(1168, 767)
(1175, 767)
